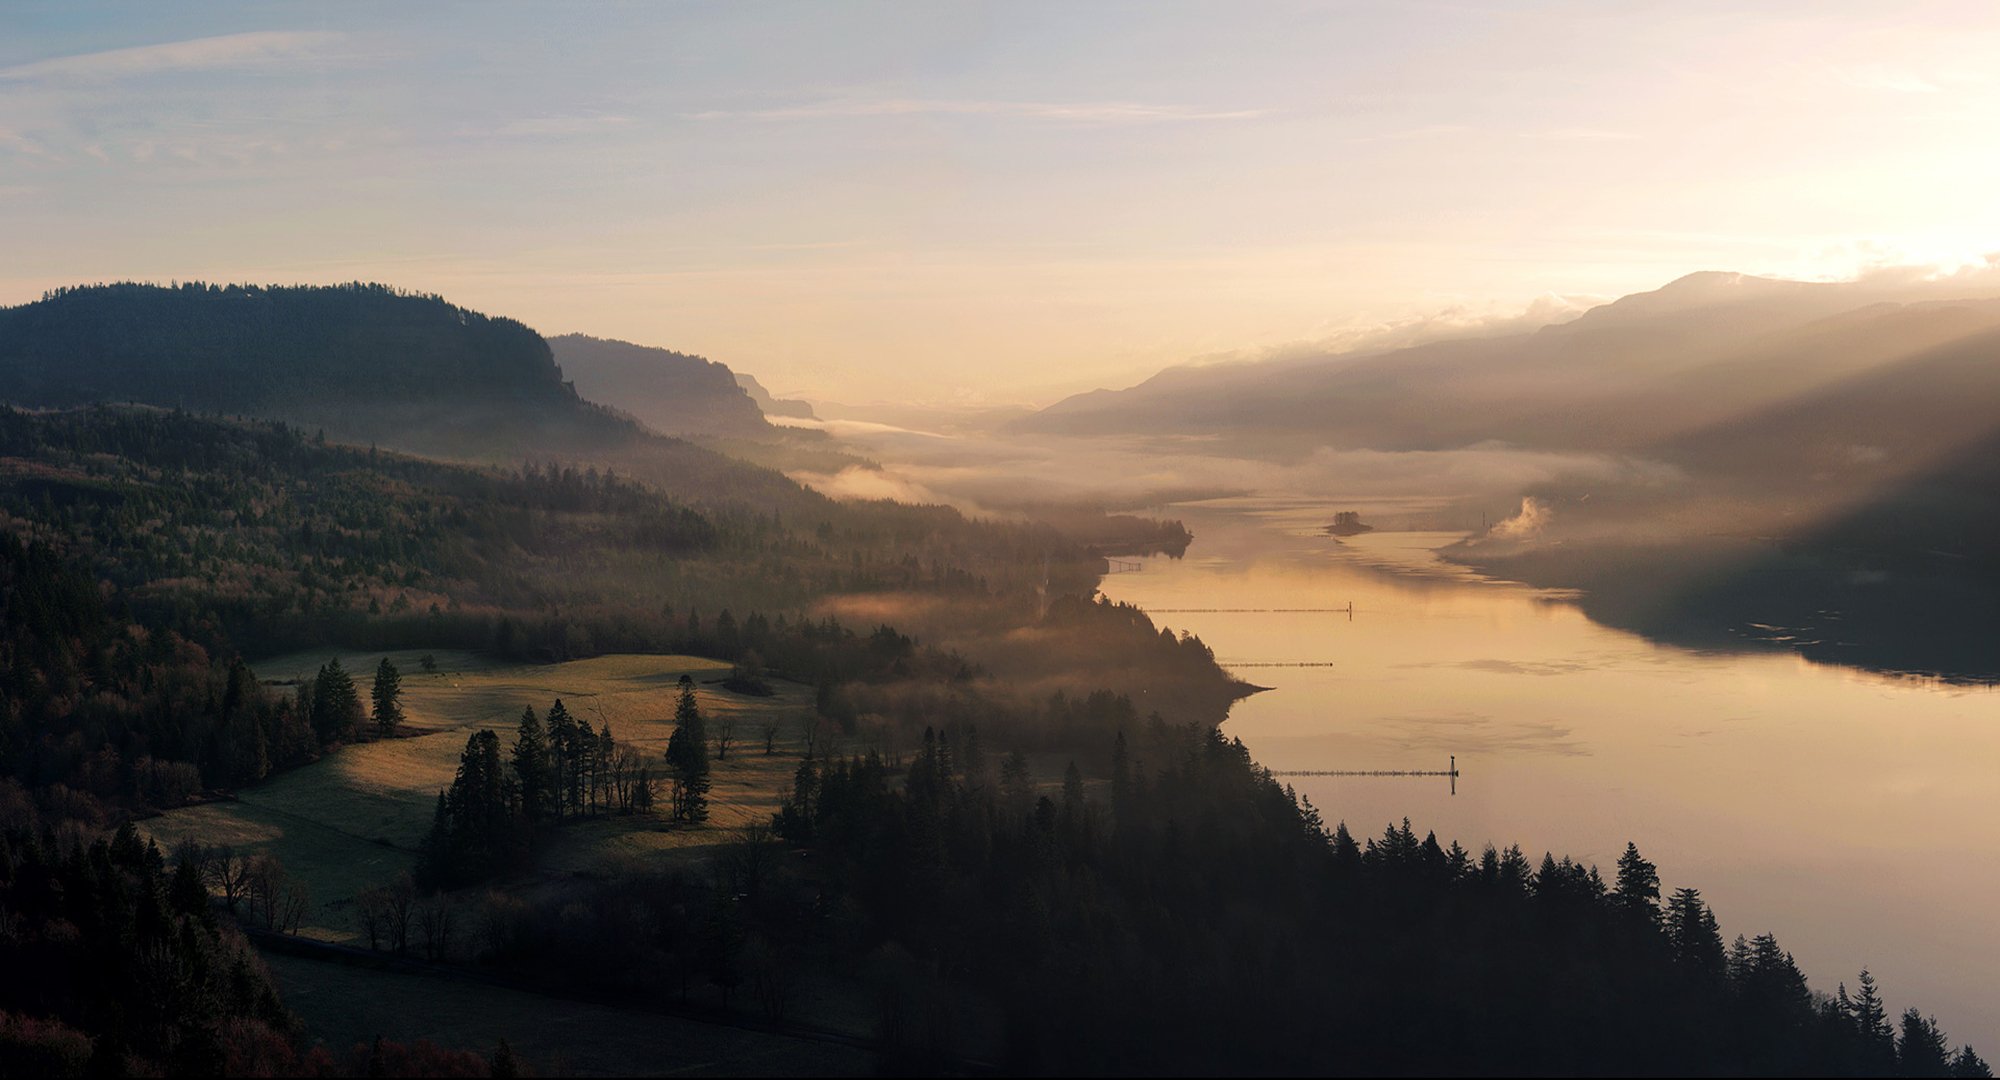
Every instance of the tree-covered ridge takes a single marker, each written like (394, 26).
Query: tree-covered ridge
(671, 392)
(244, 348)
(247, 536)
(364, 362)
(232, 532)
(1190, 917)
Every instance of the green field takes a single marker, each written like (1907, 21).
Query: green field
(355, 818)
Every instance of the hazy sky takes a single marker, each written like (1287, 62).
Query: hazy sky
(1005, 201)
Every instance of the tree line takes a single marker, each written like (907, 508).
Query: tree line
(488, 821)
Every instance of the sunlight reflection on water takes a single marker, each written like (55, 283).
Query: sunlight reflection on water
(1852, 814)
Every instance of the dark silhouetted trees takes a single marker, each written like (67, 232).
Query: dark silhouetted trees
(387, 697)
(687, 757)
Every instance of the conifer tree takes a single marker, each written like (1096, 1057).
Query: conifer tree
(687, 756)
(1015, 779)
(1638, 890)
(336, 705)
(1694, 936)
(563, 772)
(531, 767)
(1922, 1050)
(387, 696)
(1871, 1024)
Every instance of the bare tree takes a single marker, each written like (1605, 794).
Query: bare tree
(645, 790)
(724, 724)
(371, 909)
(402, 909)
(190, 850)
(748, 863)
(502, 919)
(434, 919)
(293, 908)
(264, 889)
(227, 872)
(774, 974)
(625, 775)
(769, 729)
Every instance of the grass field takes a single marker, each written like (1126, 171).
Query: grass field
(356, 817)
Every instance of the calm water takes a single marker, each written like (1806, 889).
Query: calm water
(1855, 816)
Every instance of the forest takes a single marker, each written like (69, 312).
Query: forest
(1009, 863)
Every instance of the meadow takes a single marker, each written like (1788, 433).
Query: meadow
(355, 818)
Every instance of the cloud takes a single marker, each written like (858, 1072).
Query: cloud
(1102, 112)
(253, 49)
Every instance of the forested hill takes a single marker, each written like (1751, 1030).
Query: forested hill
(365, 362)
(672, 393)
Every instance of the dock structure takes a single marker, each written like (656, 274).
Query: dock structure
(1123, 566)
(1347, 611)
(1451, 772)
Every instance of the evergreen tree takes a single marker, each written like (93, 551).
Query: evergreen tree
(1870, 1018)
(687, 757)
(1969, 1064)
(1347, 853)
(605, 755)
(387, 697)
(1121, 774)
(1922, 1050)
(1016, 781)
(531, 767)
(1638, 890)
(563, 764)
(1694, 937)
(336, 705)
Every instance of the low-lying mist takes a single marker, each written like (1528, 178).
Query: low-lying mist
(1018, 475)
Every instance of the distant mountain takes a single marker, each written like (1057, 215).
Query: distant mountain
(797, 410)
(672, 393)
(365, 363)
(1819, 457)
(1626, 375)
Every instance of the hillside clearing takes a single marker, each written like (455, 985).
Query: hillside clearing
(356, 817)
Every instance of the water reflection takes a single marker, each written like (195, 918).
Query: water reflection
(1852, 814)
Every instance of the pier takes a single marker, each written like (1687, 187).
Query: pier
(1451, 772)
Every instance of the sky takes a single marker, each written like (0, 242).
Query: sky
(991, 203)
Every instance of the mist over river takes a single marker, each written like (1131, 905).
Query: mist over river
(1855, 816)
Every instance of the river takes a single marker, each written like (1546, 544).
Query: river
(1855, 816)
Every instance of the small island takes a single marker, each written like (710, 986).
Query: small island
(1348, 523)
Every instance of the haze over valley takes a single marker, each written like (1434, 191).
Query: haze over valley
(1122, 539)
